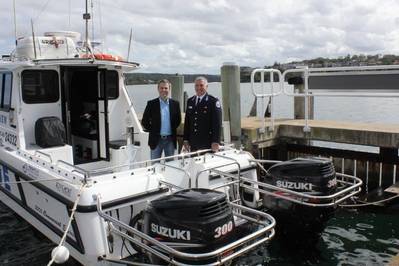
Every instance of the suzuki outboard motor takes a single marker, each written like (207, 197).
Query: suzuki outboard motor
(201, 217)
(312, 176)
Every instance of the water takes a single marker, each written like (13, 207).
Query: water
(355, 109)
(364, 238)
(351, 238)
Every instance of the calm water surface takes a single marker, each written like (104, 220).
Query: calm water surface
(364, 238)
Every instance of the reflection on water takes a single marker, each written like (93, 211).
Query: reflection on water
(351, 238)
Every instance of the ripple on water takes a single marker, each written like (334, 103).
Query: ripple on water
(348, 234)
(363, 257)
(333, 242)
(363, 226)
(389, 241)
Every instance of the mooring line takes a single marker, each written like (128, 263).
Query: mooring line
(368, 203)
(68, 225)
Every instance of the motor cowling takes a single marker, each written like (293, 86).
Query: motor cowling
(312, 176)
(194, 216)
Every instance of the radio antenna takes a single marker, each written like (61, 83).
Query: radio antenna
(130, 42)
(86, 16)
(33, 39)
(69, 14)
(92, 19)
(15, 25)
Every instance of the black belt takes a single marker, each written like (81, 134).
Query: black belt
(165, 137)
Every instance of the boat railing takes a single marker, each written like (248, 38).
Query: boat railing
(147, 163)
(347, 187)
(197, 176)
(263, 231)
(68, 171)
(186, 173)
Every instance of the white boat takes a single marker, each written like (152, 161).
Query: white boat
(74, 164)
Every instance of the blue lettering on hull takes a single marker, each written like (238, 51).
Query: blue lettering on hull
(5, 178)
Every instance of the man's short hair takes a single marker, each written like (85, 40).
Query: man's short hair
(201, 78)
(166, 82)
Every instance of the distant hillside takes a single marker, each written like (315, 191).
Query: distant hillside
(245, 71)
(151, 78)
(342, 61)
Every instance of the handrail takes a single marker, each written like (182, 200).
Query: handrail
(237, 193)
(210, 169)
(182, 155)
(187, 174)
(335, 198)
(305, 73)
(75, 168)
(264, 161)
(308, 72)
(262, 72)
(37, 153)
(260, 236)
(44, 154)
(271, 95)
(170, 185)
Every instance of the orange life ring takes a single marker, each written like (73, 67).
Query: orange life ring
(108, 57)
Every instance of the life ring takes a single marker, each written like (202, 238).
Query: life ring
(102, 56)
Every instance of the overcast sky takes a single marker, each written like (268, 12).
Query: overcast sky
(182, 36)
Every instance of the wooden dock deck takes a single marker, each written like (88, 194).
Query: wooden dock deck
(371, 134)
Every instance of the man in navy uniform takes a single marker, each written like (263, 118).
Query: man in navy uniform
(202, 124)
(161, 118)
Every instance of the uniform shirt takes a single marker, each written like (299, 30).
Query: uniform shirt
(165, 118)
(198, 99)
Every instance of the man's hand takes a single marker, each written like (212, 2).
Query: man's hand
(215, 146)
(186, 146)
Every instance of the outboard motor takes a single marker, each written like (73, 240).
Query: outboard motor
(195, 219)
(312, 176)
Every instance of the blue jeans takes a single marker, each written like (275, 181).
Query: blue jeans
(164, 145)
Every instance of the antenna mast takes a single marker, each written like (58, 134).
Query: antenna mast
(92, 20)
(86, 16)
(15, 25)
(130, 42)
(33, 38)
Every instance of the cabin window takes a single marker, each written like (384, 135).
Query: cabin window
(5, 91)
(6, 102)
(111, 82)
(40, 86)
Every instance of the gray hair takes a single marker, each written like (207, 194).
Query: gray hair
(166, 81)
(201, 78)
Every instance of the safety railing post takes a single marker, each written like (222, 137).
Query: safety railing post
(265, 95)
(306, 83)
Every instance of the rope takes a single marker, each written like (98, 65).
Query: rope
(368, 203)
(69, 222)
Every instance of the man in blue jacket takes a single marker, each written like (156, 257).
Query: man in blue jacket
(161, 118)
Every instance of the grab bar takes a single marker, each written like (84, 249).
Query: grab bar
(44, 154)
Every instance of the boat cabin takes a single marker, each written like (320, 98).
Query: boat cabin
(68, 106)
